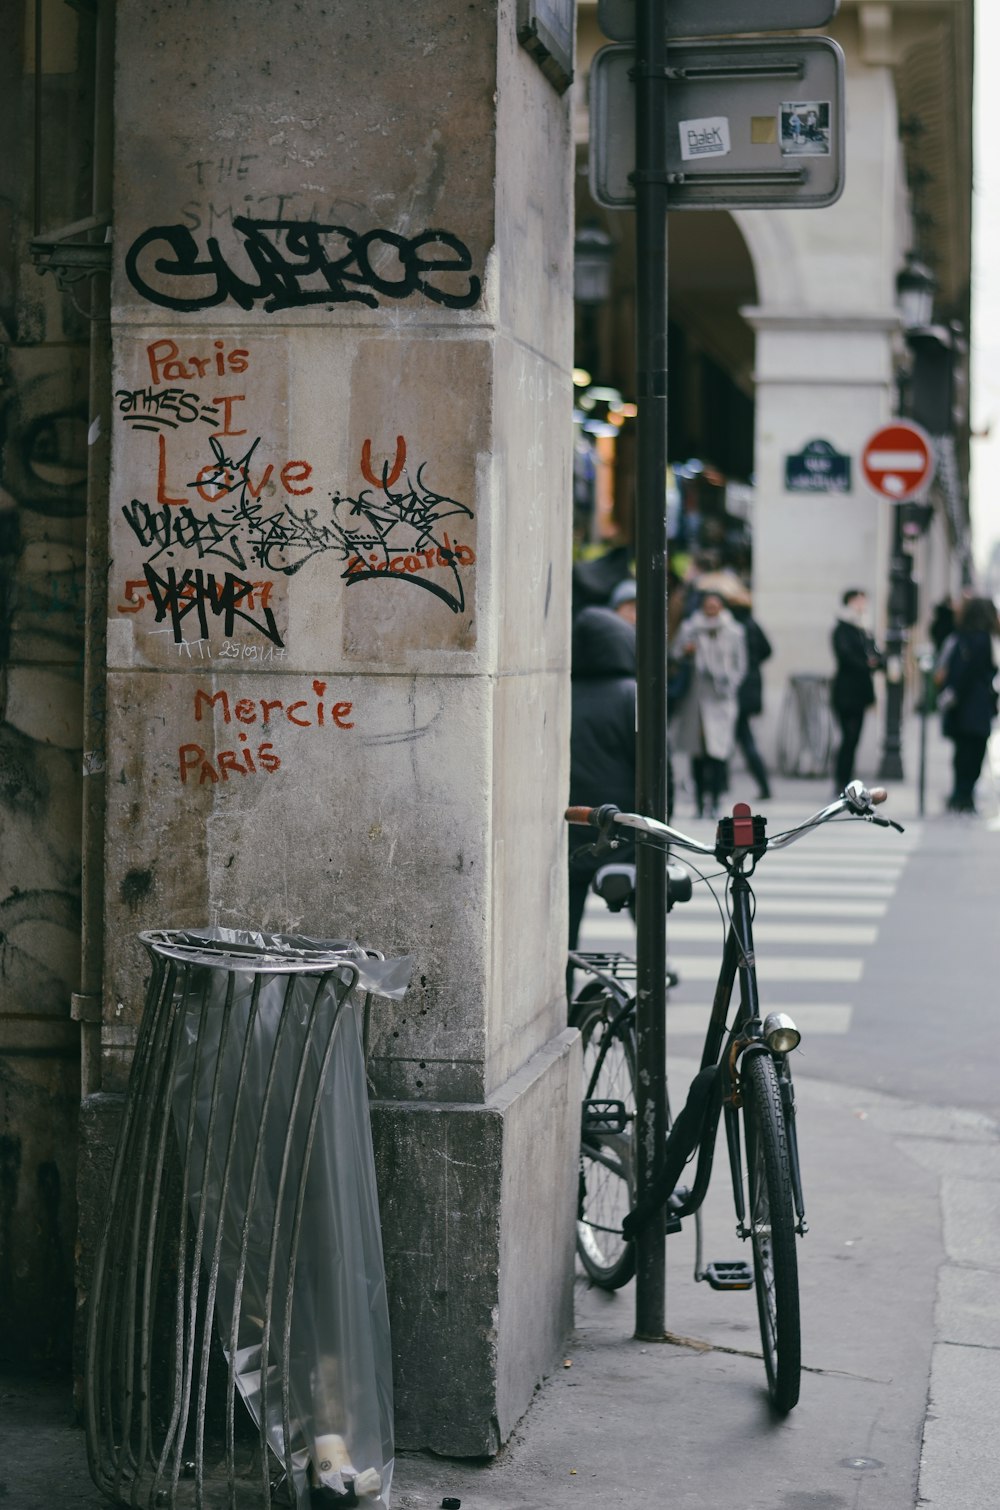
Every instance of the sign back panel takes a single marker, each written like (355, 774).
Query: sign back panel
(750, 125)
(711, 18)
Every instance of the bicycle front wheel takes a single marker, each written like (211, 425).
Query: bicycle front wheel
(607, 1166)
(772, 1229)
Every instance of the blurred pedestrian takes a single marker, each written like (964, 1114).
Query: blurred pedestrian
(602, 736)
(853, 690)
(942, 623)
(622, 600)
(751, 696)
(967, 697)
(705, 725)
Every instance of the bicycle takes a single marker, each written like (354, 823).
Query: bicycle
(744, 1068)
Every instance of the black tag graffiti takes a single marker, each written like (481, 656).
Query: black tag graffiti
(201, 594)
(173, 528)
(299, 262)
(394, 535)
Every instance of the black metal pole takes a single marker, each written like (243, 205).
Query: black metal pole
(922, 773)
(891, 766)
(651, 636)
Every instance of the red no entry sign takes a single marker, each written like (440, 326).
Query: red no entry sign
(898, 460)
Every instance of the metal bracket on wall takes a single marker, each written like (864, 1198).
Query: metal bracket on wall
(84, 1008)
(70, 255)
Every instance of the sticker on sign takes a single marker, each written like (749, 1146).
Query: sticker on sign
(708, 137)
(898, 460)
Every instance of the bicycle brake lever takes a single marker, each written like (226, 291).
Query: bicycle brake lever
(885, 823)
(601, 848)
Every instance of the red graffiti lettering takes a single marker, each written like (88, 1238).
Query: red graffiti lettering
(194, 758)
(167, 366)
(388, 477)
(302, 713)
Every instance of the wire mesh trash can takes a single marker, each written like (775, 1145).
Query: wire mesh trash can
(242, 1256)
(805, 733)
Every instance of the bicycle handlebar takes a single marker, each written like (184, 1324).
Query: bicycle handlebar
(856, 800)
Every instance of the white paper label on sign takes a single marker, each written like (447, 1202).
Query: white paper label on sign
(708, 137)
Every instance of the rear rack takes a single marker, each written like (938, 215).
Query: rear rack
(611, 962)
(621, 967)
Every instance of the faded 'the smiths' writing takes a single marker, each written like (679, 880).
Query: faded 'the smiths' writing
(289, 264)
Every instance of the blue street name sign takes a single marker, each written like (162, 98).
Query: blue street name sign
(818, 468)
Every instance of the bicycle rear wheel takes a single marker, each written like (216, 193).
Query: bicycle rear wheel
(607, 1167)
(772, 1229)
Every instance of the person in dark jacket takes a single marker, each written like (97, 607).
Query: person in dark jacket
(967, 697)
(942, 623)
(602, 738)
(853, 690)
(751, 697)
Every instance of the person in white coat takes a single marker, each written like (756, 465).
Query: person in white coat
(704, 725)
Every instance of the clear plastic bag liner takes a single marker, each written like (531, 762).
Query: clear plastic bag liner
(270, 1106)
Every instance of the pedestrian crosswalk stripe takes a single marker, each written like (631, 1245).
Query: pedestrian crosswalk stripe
(861, 873)
(777, 886)
(821, 1018)
(862, 907)
(702, 920)
(774, 968)
(831, 875)
(687, 929)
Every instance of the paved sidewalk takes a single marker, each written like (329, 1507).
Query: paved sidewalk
(901, 1329)
(901, 1332)
(900, 1300)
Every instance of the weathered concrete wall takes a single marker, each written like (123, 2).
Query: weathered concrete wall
(338, 595)
(43, 470)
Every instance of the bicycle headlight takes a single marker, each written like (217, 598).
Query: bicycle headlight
(780, 1033)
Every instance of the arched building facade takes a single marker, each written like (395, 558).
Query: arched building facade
(801, 312)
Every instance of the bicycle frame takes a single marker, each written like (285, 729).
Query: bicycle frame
(723, 1049)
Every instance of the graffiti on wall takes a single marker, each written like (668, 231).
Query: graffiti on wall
(222, 523)
(43, 467)
(259, 714)
(291, 264)
(397, 533)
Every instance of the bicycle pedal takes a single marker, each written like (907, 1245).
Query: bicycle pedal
(604, 1117)
(737, 1275)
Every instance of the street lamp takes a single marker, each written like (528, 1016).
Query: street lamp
(916, 286)
(593, 257)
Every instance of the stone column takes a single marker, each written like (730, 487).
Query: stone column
(338, 602)
(825, 329)
(817, 378)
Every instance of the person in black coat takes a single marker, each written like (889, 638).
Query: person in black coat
(967, 697)
(853, 689)
(751, 697)
(602, 738)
